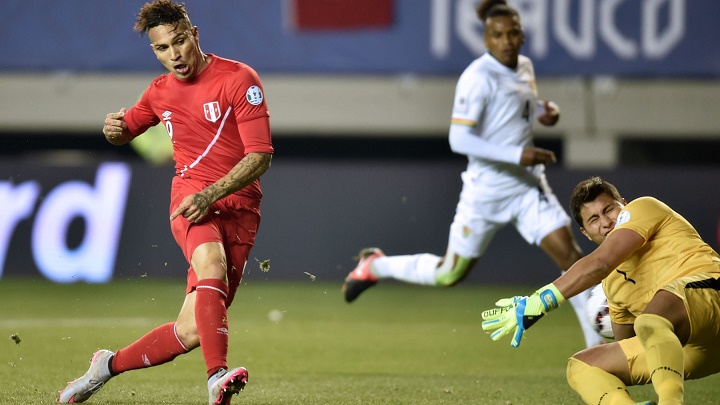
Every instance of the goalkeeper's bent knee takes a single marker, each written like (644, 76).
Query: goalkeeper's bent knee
(452, 272)
(595, 385)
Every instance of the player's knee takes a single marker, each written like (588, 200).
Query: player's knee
(215, 270)
(187, 334)
(574, 368)
(647, 325)
(571, 363)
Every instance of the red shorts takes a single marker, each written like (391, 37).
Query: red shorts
(233, 221)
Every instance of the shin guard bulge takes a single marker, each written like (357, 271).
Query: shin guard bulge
(158, 346)
(595, 385)
(664, 357)
(212, 324)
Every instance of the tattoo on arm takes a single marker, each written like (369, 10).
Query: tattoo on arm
(245, 172)
(202, 201)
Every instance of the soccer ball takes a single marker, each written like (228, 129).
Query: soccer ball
(598, 312)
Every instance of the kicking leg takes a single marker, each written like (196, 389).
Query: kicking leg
(209, 264)
(212, 291)
(158, 346)
(422, 269)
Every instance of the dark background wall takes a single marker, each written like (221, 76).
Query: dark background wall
(319, 211)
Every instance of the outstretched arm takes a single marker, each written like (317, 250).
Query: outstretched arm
(515, 315)
(594, 267)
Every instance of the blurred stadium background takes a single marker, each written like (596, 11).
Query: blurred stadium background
(360, 93)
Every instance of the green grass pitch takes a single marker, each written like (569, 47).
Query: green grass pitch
(398, 344)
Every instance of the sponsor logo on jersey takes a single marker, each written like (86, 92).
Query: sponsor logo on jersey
(212, 111)
(254, 95)
(622, 218)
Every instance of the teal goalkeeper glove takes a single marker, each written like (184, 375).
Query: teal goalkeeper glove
(517, 314)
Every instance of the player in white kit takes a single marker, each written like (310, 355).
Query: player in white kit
(495, 105)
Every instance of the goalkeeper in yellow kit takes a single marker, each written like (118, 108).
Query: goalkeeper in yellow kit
(662, 282)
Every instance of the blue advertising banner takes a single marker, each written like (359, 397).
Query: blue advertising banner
(638, 38)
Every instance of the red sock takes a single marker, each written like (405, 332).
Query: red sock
(158, 346)
(211, 321)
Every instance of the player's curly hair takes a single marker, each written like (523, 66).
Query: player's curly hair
(494, 8)
(587, 191)
(161, 12)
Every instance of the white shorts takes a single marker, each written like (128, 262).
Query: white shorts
(534, 211)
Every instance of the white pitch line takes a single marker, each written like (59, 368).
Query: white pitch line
(77, 322)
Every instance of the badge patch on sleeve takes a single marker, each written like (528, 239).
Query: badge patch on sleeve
(461, 105)
(254, 95)
(622, 218)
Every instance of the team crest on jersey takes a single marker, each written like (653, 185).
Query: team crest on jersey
(461, 105)
(254, 95)
(212, 111)
(622, 218)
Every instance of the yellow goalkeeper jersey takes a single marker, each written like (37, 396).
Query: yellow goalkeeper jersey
(672, 249)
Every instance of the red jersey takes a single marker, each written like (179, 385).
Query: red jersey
(207, 119)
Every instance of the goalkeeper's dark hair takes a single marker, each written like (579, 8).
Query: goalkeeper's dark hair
(587, 191)
(162, 12)
(494, 8)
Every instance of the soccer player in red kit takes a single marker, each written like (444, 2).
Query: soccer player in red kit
(216, 116)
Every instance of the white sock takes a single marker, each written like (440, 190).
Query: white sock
(579, 304)
(218, 375)
(416, 269)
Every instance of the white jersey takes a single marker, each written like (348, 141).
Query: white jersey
(492, 118)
